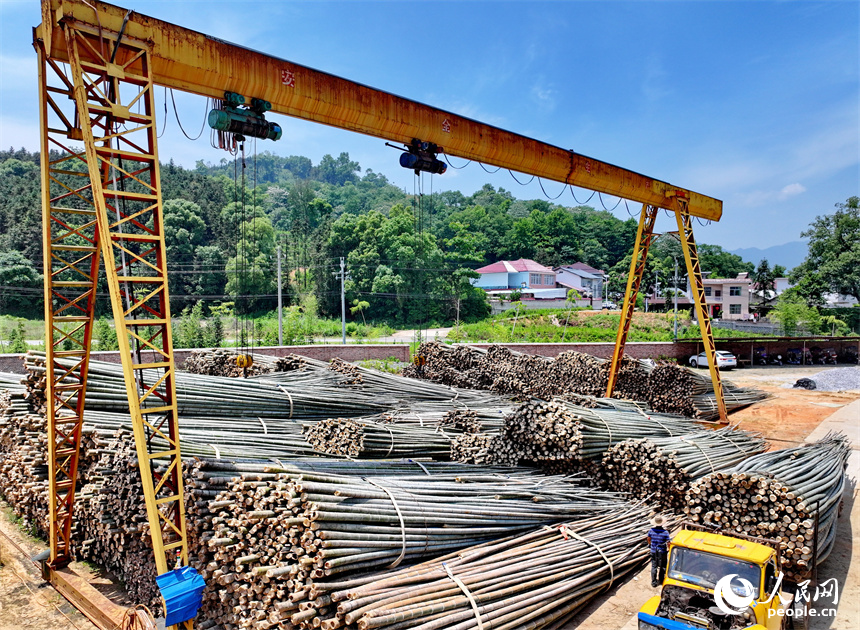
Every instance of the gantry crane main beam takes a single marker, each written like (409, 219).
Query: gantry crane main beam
(186, 60)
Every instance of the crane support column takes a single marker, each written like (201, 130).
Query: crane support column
(113, 89)
(644, 237)
(697, 287)
(70, 249)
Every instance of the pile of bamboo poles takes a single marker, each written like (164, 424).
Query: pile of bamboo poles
(369, 439)
(217, 396)
(779, 495)
(668, 388)
(663, 467)
(222, 362)
(536, 580)
(271, 538)
(558, 432)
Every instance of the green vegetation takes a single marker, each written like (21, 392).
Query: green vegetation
(409, 259)
(559, 325)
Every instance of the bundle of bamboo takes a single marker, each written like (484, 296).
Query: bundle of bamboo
(781, 495)
(536, 580)
(667, 388)
(667, 465)
(273, 537)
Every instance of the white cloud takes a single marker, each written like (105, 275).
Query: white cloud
(791, 190)
(654, 86)
(544, 97)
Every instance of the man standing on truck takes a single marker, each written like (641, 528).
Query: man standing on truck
(657, 540)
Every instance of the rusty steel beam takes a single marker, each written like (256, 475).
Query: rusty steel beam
(193, 62)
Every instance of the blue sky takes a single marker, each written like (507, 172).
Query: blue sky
(755, 103)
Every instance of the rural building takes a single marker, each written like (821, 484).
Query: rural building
(728, 298)
(531, 278)
(585, 279)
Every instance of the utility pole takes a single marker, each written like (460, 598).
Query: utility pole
(676, 300)
(280, 303)
(342, 301)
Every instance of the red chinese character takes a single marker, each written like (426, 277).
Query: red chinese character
(446, 126)
(288, 78)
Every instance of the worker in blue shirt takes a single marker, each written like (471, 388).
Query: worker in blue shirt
(657, 540)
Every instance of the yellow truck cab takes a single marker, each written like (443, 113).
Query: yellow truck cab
(697, 562)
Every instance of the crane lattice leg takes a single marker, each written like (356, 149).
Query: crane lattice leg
(644, 237)
(70, 249)
(694, 273)
(113, 89)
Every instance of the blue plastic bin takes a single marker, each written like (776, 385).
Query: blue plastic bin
(182, 590)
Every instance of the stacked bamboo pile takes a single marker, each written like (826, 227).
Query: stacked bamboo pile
(217, 396)
(403, 390)
(535, 580)
(564, 436)
(111, 528)
(664, 467)
(272, 538)
(222, 362)
(24, 464)
(668, 388)
(779, 495)
(369, 439)
(352, 375)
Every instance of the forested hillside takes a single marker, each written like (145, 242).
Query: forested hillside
(408, 259)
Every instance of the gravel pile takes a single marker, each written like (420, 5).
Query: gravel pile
(837, 379)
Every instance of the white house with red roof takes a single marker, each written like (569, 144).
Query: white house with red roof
(529, 277)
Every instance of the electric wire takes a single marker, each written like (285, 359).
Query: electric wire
(445, 157)
(547, 194)
(487, 170)
(581, 203)
(179, 122)
(518, 181)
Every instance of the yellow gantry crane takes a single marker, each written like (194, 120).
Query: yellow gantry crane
(101, 196)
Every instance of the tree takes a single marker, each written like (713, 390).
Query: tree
(213, 334)
(834, 248)
(338, 171)
(764, 287)
(359, 306)
(17, 338)
(793, 312)
(20, 284)
(251, 273)
(105, 334)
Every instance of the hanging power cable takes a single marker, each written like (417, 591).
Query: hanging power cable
(540, 182)
(581, 203)
(518, 181)
(179, 122)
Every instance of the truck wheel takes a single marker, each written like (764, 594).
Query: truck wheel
(800, 615)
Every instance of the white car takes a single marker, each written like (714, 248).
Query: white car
(725, 360)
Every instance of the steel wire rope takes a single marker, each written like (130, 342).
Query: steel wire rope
(489, 171)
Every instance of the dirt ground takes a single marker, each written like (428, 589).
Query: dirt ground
(789, 417)
(26, 601)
